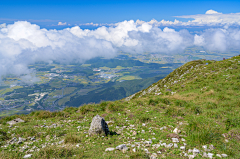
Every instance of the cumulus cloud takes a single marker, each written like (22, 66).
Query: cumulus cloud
(61, 23)
(3, 25)
(212, 18)
(23, 43)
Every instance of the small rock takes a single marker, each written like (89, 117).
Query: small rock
(134, 150)
(204, 154)
(159, 152)
(175, 145)
(224, 155)
(210, 155)
(191, 156)
(211, 147)
(143, 124)
(182, 147)
(163, 144)
(110, 149)
(189, 150)
(176, 131)
(175, 140)
(196, 151)
(134, 133)
(218, 155)
(28, 156)
(169, 145)
(153, 156)
(121, 147)
(148, 142)
(162, 128)
(60, 142)
(183, 140)
(204, 147)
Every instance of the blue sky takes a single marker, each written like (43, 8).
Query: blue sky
(49, 12)
(66, 31)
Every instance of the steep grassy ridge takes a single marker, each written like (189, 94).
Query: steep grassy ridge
(200, 98)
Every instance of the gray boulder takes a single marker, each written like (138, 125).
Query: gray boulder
(15, 121)
(98, 126)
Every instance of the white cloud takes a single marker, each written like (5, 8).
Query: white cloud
(212, 12)
(212, 18)
(61, 23)
(3, 25)
(23, 43)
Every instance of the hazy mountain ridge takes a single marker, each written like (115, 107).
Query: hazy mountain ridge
(200, 99)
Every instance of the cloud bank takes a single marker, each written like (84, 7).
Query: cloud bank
(210, 18)
(23, 43)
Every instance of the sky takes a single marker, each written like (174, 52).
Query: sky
(67, 31)
(47, 13)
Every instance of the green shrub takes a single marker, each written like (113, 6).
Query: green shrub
(70, 138)
(232, 123)
(113, 107)
(152, 102)
(200, 131)
(164, 100)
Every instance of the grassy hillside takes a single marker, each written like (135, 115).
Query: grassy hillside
(200, 98)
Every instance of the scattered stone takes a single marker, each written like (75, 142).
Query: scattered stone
(121, 147)
(196, 151)
(21, 140)
(175, 140)
(163, 144)
(218, 155)
(162, 128)
(224, 155)
(110, 149)
(148, 142)
(204, 154)
(13, 140)
(134, 150)
(169, 145)
(15, 121)
(173, 135)
(61, 142)
(134, 133)
(143, 124)
(153, 156)
(211, 147)
(176, 131)
(28, 156)
(191, 156)
(159, 152)
(98, 126)
(182, 147)
(204, 147)
(210, 155)
(175, 145)
(189, 150)
(183, 140)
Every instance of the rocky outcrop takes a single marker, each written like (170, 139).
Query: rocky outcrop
(98, 126)
(15, 121)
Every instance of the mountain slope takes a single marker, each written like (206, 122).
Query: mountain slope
(201, 99)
